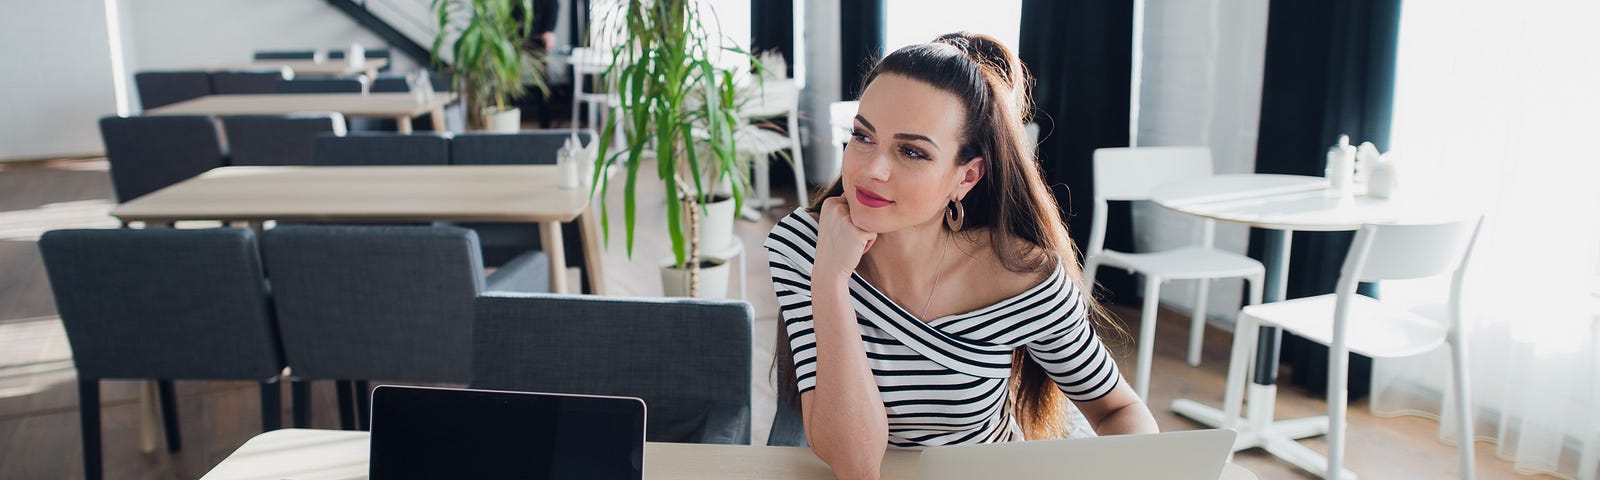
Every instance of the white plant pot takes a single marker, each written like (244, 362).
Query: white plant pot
(504, 121)
(713, 280)
(716, 226)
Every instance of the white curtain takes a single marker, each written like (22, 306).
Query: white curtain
(1500, 101)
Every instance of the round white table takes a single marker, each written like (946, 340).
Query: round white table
(1282, 204)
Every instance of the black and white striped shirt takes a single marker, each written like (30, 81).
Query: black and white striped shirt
(944, 382)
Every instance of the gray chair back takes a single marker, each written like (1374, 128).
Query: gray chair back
(277, 139)
(249, 81)
(157, 89)
(163, 303)
(375, 302)
(150, 153)
(285, 54)
(368, 53)
(381, 149)
(688, 359)
(530, 147)
(322, 85)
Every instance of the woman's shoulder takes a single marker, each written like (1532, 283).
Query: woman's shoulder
(794, 236)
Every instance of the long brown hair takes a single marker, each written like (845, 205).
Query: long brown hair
(1011, 202)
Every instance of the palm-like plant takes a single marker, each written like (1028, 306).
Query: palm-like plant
(675, 104)
(489, 58)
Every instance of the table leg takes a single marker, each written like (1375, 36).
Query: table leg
(403, 124)
(589, 229)
(438, 120)
(147, 416)
(550, 233)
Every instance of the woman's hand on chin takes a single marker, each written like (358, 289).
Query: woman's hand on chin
(840, 243)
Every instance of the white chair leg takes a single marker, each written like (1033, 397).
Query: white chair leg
(1463, 405)
(763, 180)
(1147, 335)
(1239, 366)
(1338, 398)
(1091, 266)
(1197, 321)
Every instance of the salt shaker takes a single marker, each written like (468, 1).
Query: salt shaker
(567, 165)
(1366, 157)
(1384, 177)
(1341, 165)
(357, 55)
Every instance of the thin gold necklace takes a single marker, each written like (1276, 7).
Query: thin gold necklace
(936, 278)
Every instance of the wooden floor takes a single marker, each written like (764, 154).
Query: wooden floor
(38, 404)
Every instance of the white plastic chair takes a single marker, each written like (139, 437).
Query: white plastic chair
(1130, 174)
(773, 98)
(1347, 322)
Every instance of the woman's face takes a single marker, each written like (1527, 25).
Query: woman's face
(900, 168)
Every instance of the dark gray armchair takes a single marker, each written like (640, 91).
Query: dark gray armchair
(688, 359)
(163, 304)
(358, 303)
(285, 54)
(249, 81)
(322, 85)
(277, 139)
(158, 89)
(381, 149)
(150, 153)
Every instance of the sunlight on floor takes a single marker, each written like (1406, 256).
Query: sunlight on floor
(34, 356)
(28, 225)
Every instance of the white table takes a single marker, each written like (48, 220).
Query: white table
(1282, 204)
(335, 454)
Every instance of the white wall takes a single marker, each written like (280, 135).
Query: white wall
(57, 80)
(1201, 85)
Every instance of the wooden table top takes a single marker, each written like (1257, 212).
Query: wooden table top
(469, 193)
(334, 66)
(329, 454)
(348, 104)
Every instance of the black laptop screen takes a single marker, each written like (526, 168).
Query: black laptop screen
(457, 433)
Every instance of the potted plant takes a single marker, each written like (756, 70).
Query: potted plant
(679, 107)
(489, 58)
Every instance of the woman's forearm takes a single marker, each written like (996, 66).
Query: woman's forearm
(844, 417)
(1129, 419)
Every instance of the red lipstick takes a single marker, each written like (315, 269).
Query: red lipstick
(869, 199)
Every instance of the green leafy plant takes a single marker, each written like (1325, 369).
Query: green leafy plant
(677, 106)
(490, 58)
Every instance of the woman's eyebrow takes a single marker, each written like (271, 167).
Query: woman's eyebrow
(913, 136)
(902, 136)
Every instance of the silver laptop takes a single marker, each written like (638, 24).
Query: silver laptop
(1189, 455)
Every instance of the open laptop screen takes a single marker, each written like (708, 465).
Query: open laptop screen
(459, 433)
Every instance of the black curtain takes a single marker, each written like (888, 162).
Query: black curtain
(1081, 56)
(1329, 71)
(772, 28)
(861, 39)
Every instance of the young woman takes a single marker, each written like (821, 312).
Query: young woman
(932, 296)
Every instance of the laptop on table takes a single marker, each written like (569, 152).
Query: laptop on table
(421, 432)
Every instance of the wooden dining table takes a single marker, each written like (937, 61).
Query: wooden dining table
(401, 107)
(385, 194)
(337, 67)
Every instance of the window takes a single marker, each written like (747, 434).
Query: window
(910, 22)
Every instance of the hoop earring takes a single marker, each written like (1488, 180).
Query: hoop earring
(955, 215)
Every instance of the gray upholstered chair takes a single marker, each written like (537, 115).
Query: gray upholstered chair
(285, 54)
(368, 53)
(249, 81)
(788, 426)
(688, 359)
(277, 139)
(157, 89)
(323, 85)
(150, 153)
(381, 149)
(162, 304)
(394, 303)
(503, 241)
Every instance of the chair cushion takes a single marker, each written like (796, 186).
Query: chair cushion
(1375, 329)
(1184, 263)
